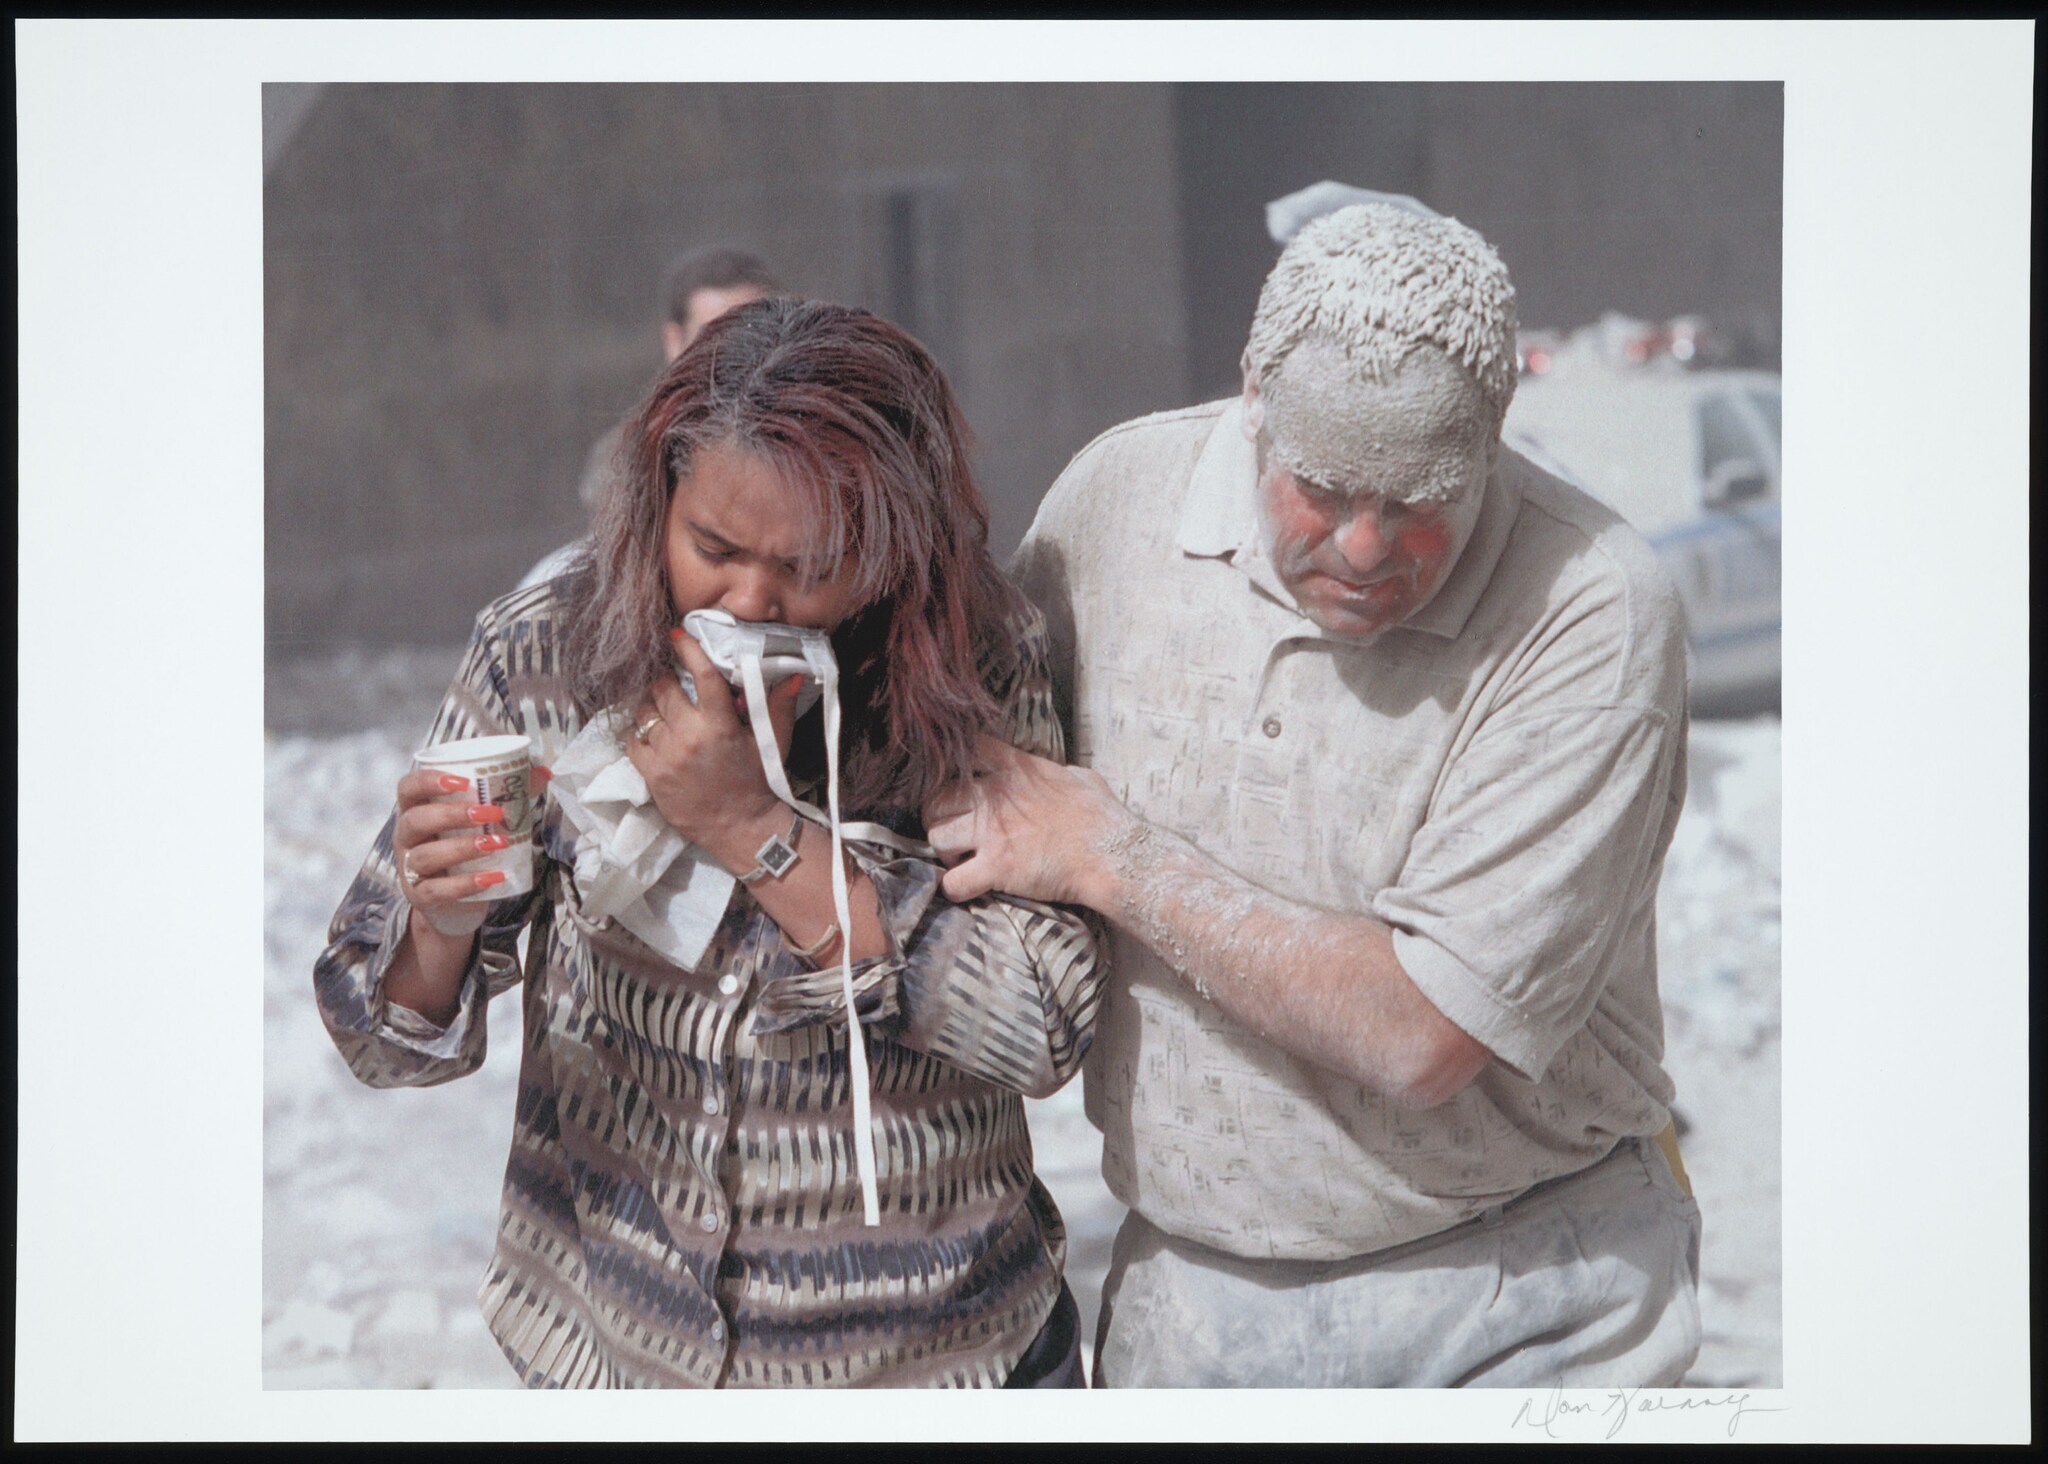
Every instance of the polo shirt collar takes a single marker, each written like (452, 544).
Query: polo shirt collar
(1220, 521)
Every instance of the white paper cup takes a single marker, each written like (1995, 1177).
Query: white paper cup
(498, 770)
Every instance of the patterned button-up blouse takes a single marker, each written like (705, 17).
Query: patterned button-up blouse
(681, 1205)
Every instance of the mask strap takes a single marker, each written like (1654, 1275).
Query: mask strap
(764, 734)
(827, 673)
(778, 781)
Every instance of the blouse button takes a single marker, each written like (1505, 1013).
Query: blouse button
(710, 1103)
(718, 1331)
(1271, 726)
(728, 983)
(709, 1223)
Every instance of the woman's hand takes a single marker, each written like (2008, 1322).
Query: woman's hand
(700, 763)
(431, 838)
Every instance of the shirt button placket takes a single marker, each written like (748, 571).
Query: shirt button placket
(711, 1222)
(730, 984)
(715, 1219)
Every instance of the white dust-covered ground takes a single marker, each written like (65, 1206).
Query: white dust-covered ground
(379, 1206)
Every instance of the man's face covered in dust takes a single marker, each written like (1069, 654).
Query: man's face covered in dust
(1368, 491)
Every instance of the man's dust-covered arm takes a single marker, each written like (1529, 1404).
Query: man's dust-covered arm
(1324, 987)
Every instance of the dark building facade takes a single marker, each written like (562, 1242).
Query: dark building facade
(461, 280)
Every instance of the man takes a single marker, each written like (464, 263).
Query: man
(1382, 734)
(701, 286)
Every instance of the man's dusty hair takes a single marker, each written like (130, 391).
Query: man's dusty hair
(1377, 281)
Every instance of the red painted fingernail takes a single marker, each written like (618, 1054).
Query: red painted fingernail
(486, 813)
(541, 776)
(485, 843)
(452, 783)
(489, 877)
(675, 633)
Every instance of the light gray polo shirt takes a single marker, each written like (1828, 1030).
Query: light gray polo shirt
(1497, 779)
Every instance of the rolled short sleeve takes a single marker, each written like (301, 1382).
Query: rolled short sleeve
(1535, 856)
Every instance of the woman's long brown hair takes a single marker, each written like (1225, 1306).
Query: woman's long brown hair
(853, 410)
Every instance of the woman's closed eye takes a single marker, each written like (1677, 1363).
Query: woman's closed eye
(789, 569)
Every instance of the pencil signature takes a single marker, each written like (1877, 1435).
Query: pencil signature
(1614, 1407)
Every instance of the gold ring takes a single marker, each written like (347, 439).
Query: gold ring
(640, 732)
(412, 876)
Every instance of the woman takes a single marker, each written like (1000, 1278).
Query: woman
(683, 1205)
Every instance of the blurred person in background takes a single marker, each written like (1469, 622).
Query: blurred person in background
(684, 1204)
(701, 286)
(1380, 741)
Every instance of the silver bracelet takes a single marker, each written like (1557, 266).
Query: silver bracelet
(775, 857)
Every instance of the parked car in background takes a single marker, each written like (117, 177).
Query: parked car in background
(1691, 458)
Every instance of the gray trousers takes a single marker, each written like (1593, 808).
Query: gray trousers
(1588, 1281)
